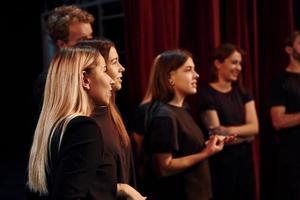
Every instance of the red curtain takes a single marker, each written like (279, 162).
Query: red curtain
(259, 27)
(152, 27)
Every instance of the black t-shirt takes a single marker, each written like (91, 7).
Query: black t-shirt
(140, 121)
(173, 130)
(285, 91)
(79, 169)
(124, 171)
(230, 106)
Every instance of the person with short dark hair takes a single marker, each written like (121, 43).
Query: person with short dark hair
(285, 116)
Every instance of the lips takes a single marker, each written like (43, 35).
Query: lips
(194, 84)
(119, 79)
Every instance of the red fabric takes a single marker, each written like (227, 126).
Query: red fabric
(258, 27)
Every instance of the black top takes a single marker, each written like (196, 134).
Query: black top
(140, 119)
(285, 91)
(80, 168)
(123, 158)
(230, 106)
(172, 130)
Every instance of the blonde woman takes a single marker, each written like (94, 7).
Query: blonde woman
(67, 158)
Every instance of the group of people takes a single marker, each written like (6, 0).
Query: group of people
(82, 150)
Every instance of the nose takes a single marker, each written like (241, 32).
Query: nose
(122, 69)
(196, 75)
(110, 80)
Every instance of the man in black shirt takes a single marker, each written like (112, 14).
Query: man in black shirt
(285, 116)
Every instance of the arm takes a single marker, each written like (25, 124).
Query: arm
(251, 126)
(281, 120)
(138, 141)
(166, 165)
(129, 192)
(211, 121)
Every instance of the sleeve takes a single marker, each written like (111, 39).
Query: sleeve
(163, 135)
(246, 95)
(205, 101)
(79, 157)
(277, 94)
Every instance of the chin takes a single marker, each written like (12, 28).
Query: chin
(194, 91)
(117, 87)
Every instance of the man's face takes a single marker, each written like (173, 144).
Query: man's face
(79, 31)
(296, 49)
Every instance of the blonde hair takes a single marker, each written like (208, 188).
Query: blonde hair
(64, 99)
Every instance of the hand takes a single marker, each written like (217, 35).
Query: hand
(129, 192)
(214, 144)
(220, 130)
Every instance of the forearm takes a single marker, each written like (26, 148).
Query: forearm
(286, 121)
(245, 130)
(129, 192)
(175, 165)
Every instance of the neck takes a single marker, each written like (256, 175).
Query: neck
(177, 101)
(293, 67)
(222, 85)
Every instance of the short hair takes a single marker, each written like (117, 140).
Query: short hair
(61, 17)
(291, 39)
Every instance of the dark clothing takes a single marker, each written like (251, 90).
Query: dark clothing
(79, 168)
(173, 130)
(230, 106)
(124, 171)
(38, 92)
(285, 91)
(232, 169)
(140, 121)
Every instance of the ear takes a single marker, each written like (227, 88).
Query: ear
(171, 81)
(217, 64)
(60, 44)
(86, 81)
(288, 50)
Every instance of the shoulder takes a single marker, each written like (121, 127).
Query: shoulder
(243, 92)
(83, 127)
(164, 111)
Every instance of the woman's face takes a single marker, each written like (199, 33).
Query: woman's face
(100, 84)
(230, 68)
(184, 79)
(296, 49)
(115, 69)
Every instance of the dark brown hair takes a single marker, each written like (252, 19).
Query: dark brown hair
(221, 53)
(159, 87)
(291, 38)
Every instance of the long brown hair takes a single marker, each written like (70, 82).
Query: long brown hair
(103, 45)
(159, 87)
